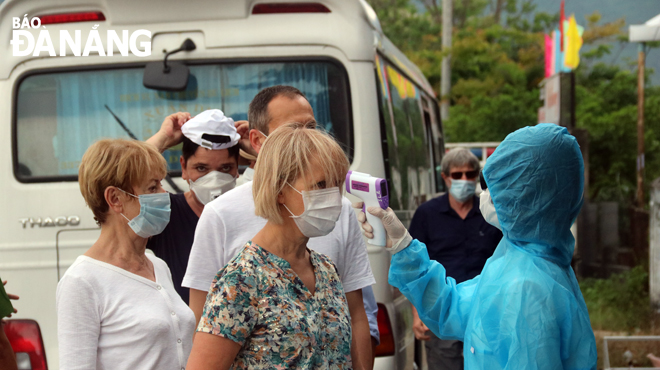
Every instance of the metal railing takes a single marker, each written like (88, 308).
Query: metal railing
(606, 354)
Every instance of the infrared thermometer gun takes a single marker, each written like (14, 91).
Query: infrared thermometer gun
(373, 192)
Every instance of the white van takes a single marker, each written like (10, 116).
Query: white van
(362, 89)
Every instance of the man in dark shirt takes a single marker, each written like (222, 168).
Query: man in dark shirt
(456, 235)
(209, 163)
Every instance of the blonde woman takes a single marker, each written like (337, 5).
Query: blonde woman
(116, 306)
(279, 304)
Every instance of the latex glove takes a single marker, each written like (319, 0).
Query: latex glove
(398, 237)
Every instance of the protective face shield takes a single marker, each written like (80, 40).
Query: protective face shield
(212, 185)
(462, 190)
(154, 214)
(322, 210)
(487, 209)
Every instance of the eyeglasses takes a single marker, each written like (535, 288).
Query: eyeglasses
(470, 175)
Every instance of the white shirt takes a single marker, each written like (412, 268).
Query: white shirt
(109, 318)
(228, 222)
(246, 177)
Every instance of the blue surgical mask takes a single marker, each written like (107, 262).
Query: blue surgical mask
(462, 190)
(154, 214)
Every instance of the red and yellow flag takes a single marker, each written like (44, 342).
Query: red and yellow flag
(572, 50)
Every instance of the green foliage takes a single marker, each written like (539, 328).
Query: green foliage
(495, 73)
(489, 118)
(620, 303)
(596, 32)
(606, 105)
(597, 52)
(497, 65)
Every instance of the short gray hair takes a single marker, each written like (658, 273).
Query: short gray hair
(458, 157)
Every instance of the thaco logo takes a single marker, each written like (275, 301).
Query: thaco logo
(24, 44)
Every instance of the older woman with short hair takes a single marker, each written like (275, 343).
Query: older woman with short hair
(116, 305)
(278, 304)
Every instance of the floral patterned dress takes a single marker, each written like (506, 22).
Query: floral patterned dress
(258, 301)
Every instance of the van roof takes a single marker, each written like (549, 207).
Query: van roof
(350, 26)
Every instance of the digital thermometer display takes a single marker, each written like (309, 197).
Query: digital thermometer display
(362, 186)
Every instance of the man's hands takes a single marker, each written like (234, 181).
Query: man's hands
(397, 235)
(243, 129)
(420, 330)
(169, 134)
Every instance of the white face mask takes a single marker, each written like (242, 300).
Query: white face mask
(212, 185)
(487, 209)
(322, 210)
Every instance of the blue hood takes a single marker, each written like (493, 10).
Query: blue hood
(536, 181)
(525, 311)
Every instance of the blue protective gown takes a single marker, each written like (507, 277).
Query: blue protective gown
(525, 310)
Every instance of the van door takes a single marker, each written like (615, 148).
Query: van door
(408, 143)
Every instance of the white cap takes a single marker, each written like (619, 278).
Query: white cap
(211, 129)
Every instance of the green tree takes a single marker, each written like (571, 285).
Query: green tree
(497, 65)
(606, 105)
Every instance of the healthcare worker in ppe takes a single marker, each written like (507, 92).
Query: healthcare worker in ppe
(525, 310)
(209, 163)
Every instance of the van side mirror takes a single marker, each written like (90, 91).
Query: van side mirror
(172, 76)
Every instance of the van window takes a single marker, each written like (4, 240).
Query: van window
(391, 157)
(434, 131)
(60, 114)
(408, 143)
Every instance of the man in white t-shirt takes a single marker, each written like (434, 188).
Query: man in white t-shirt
(228, 222)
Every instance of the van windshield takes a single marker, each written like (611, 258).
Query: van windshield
(58, 115)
